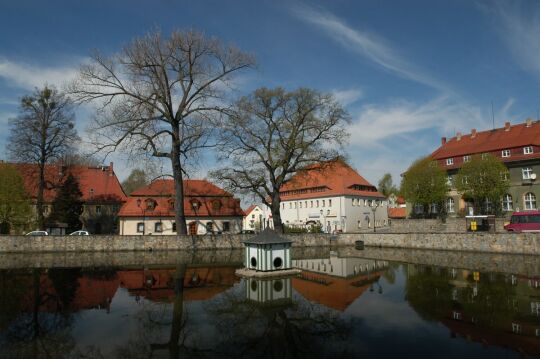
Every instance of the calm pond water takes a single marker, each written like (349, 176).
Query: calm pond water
(343, 305)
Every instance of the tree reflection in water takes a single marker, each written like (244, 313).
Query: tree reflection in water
(300, 329)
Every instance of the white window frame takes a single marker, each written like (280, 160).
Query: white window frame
(527, 150)
(529, 201)
(466, 158)
(507, 203)
(140, 227)
(450, 205)
(505, 153)
(526, 172)
(449, 161)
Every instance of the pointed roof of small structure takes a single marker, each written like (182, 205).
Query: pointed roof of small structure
(268, 236)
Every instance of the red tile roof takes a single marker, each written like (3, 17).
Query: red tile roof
(334, 178)
(399, 212)
(98, 184)
(494, 141)
(250, 208)
(212, 200)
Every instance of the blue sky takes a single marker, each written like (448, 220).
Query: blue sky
(408, 72)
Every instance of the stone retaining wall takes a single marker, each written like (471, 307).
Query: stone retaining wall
(526, 243)
(452, 225)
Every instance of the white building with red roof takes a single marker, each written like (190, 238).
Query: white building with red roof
(517, 146)
(334, 196)
(208, 209)
(102, 193)
(257, 218)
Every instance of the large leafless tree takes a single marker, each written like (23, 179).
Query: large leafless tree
(42, 133)
(268, 136)
(159, 96)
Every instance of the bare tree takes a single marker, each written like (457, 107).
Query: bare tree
(272, 134)
(43, 132)
(158, 95)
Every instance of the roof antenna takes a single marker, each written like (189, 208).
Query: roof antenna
(492, 115)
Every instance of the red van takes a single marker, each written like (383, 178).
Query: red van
(524, 222)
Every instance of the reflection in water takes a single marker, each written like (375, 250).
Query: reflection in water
(337, 307)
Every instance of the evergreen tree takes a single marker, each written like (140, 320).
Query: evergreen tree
(68, 204)
(15, 206)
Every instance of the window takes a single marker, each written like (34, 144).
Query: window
(174, 227)
(323, 203)
(311, 204)
(527, 150)
(359, 224)
(418, 208)
(507, 204)
(209, 227)
(226, 226)
(290, 205)
(516, 328)
(466, 158)
(449, 181)
(456, 315)
(527, 172)
(253, 216)
(505, 153)
(354, 201)
(484, 156)
(365, 203)
(530, 201)
(300, 203)
(295, 205)
(140, 227)
(450, 205)
(488, 205)
(306, 204)
(465, 180)
(449, 161)
(505, 176)
(216, 205)
(433, 208)
(329, 203)
(98, 209)
(158, 227)
(317, 203)
(283, 205)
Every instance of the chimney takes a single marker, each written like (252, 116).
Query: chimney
(443, 140)
(458, 136)
(473, 133)
(529, 122)
(111, 172)
(507, 126)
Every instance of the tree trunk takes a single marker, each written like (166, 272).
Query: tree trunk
(179, 216)
(40, 195)
(276, 216)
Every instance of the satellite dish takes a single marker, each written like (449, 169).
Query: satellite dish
(533, 176)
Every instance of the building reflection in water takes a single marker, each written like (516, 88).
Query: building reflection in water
(488, 308)
(337, 282)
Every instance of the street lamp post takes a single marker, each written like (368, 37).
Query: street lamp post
(374, 206)
(144, 215)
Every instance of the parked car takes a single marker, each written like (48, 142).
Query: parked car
(80, 233)
(524, 222)
(37, 233)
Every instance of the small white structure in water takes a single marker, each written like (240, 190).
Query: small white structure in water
(268, 252)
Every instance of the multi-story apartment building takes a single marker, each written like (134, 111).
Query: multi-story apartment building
(334, 196)
(517, 146)
(102, 194)
(208, 208)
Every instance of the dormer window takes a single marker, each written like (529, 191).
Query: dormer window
(527, 150)
(466, 158)
(505, 153)
(150, 204)
(449, 161)
(216, 205)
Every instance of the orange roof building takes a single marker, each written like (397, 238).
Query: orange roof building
(334, 196)
(101, 190)
(257, 218)
(208, 208)
(517, 146)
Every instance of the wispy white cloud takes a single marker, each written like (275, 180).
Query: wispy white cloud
(348, 97)
(518, 26)
(28, 76)
(369, 45)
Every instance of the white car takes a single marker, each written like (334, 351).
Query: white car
(80, 233)
(37, 233)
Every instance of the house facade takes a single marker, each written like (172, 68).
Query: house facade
(257, 218)
(334, 196)
(517, 146)
(102, 194)
(208, 209)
